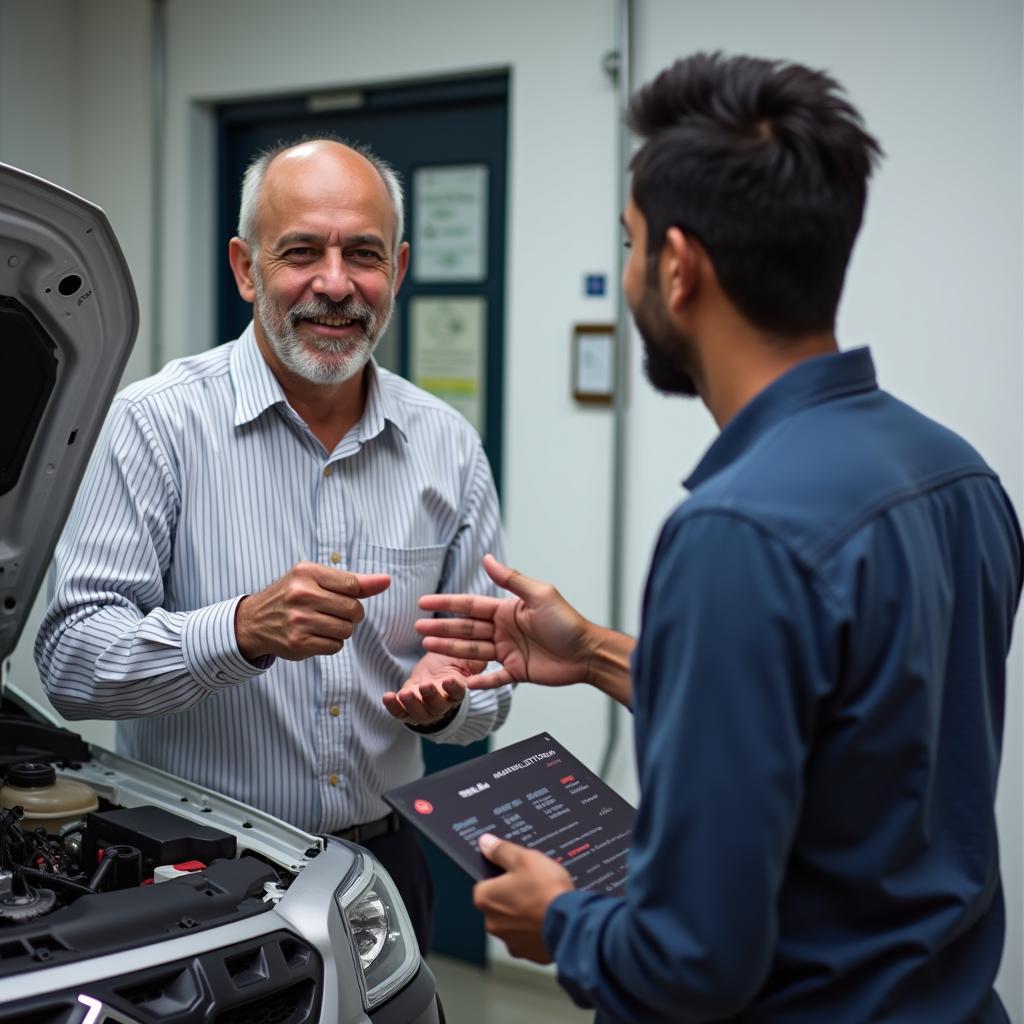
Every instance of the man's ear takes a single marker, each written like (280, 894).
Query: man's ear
(240, 258)
(401, 265)
(679, 268)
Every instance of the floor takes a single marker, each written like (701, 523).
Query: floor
(472, 995)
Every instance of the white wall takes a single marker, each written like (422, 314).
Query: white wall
(934, 288)
(36, 111)
(74, 108)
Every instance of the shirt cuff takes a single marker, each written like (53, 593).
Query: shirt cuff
(578, 973)
(560, 909)
(209, 647)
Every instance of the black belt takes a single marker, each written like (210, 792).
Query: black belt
(371, 829)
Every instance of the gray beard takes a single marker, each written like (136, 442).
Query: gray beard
(320, 360)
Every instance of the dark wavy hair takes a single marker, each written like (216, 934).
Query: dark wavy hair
(766, 164)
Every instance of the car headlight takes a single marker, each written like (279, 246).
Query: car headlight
(380, 930)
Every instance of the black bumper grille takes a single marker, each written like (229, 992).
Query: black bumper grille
(274, 979)
(281, 1008)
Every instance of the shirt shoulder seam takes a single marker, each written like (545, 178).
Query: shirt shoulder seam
(810, 559)
(885, 503)
(814, 576)
(141, 392)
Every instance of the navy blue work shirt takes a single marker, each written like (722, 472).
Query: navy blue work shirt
(818, 696)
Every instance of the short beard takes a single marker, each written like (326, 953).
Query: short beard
(322, 360)
(670, 358)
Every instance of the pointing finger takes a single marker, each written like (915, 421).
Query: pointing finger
(468, 650)
(462, 629)
(470, 606)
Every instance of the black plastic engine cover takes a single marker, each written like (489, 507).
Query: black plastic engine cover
(163, 837)
(113, 921)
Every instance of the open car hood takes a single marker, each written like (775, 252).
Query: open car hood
(68, 319)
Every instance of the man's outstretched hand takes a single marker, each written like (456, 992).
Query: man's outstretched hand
(536, 635)
(434, 690)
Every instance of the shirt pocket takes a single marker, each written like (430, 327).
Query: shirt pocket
(414, 572)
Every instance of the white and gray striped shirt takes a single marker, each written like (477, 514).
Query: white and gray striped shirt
(207, 486)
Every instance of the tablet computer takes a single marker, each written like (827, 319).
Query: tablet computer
(534, 793)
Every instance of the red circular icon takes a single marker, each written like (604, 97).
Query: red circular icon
(423, 807)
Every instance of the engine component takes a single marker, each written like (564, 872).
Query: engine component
(72, 843)
(120, 867)
(161, 837)
(49, 802)
(165, 872)
(22, 903)
(22, 739)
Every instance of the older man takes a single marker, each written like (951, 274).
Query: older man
(238, 579)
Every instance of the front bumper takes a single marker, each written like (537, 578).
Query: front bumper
(292, 964)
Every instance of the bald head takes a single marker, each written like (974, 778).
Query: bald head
(323, 165)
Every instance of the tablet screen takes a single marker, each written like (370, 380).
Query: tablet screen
(534, 793)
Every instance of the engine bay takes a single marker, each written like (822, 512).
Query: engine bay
(81, 875)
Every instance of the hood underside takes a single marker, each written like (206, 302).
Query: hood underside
(68, 319)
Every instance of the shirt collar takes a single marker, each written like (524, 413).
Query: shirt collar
(381, 406)
(257, 389)
(815, 380)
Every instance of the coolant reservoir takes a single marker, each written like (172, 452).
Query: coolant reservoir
(49, 802)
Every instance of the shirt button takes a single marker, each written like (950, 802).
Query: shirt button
(335, 558)
(328, 471)
(333, 779)
(335, 711)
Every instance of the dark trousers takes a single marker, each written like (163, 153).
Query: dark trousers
(401, 855)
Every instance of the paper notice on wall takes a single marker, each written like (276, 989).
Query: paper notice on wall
(448, 351)
(449, 240)
(595, 365)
